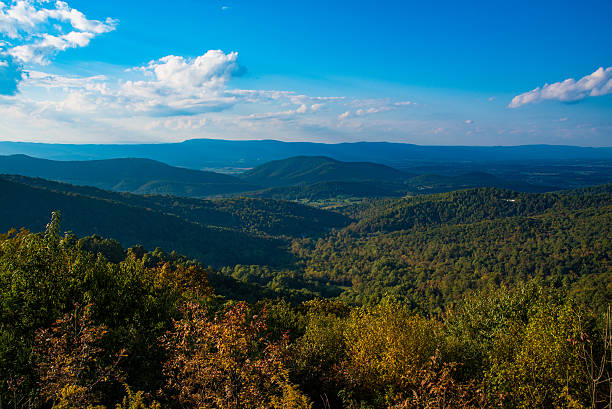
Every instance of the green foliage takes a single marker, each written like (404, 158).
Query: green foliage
(42, 277)
(109, 248)
(535, 364)
(439, 248)
(254, 282)
(387, 345)
(474, 299)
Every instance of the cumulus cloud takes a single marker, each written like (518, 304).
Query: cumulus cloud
(592, 85)
(468, 121)
(178, 85)
(169, 86)
(38, 29)
(190, 97)
(172, 86)
(212, 69)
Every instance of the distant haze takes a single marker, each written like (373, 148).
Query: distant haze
(214, 153)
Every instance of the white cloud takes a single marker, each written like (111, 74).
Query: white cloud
(212, 69)
(172, 86)
(35, 29)
(181, 86)
(175, 97)
(283, 115)
(373, 106)
(316, 107)
(183, 123)
(372, 110)
(40, 51)
(595, 84)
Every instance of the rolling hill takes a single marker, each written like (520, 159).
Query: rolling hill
(262, 217)
(315, 169)
(313, 178)
(31, 207)
(432, 249)
(143, 176)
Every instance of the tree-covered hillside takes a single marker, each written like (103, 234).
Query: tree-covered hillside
(148, 331)
(260, 216)
(314, 169)
(143, 176)
(314, 178)
(431, 250)
(25, 206)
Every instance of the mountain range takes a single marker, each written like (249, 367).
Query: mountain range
(136, 175)
(216, 153)
(297, 178)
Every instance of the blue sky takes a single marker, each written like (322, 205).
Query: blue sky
(444, 73)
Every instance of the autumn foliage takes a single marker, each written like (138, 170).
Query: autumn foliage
(149, 332)
(226, 362)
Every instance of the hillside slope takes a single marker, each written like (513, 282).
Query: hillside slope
(126, 174)
(432, 250)
(261, 216)
(28, 206)
(315, 169)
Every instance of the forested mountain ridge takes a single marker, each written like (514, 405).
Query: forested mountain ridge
(468, 206)
(430, 250)
(260, 216)
(30, 207)
(126, 174)
(380, 188)
(312, 178)
(314, 169)
(222, 232)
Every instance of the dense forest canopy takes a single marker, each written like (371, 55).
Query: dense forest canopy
(477, 298)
